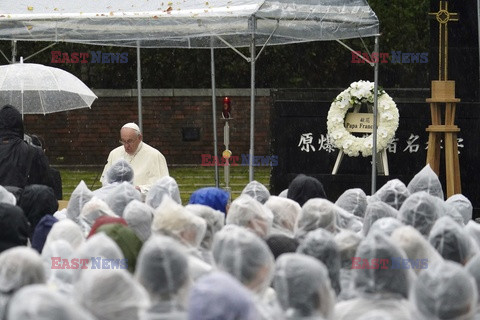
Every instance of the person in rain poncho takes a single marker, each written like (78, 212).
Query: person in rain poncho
(377, 210)
(251, 214)
(394, 193)
(285, 212)
(162, 269)
(303, 188)
(215, 221)
(44, 304)
(257, 191)
(463, 205)
(215, 198)
(473, 230)
(119, 172)
(444, 291)
(303, 287)
(91, 211)
(121, 197)
(139, 217)
(386, 225)
(426, 180)
(80, 195)
(19, 267)
(321, 245)
(59, 277)
(451, 240)
(354, 201)
(14, 226)
(218, 295)
(111, 294)
(37, 201)
(41, 232)
(317, 213)
(66, 230)
(473, 267)
(164, 186)
(420, 211)
(7, 197)
(246, 256)
(380, 282)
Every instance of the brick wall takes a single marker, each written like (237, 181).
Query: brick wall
(86, 136)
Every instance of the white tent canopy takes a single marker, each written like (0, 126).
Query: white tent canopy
(192, 24)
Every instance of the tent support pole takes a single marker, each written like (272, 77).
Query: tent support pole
(375, 113)
(214, 111)
(252, 99)
(139, 88)
(14, 51)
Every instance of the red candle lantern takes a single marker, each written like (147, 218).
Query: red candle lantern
(227, 108)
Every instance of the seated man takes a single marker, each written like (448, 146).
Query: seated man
(148, 163)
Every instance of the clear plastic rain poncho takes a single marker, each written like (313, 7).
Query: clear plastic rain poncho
(66, 230)
(19, 267)
(393, 193)
(451, 240)
(120, 171)
(7, 197)
(377, 210)
(381, 282)
(59, 278)
(444, 291)
(139, 217)
(246, 256)
(321, 245)
(99, 246)
(91, 211)
(317, 213)
(251, 214)
(215, 221)
(473, 267)
(162, 269)
(386, 225)
(420, 211)
(218, 295)
(78, 198)
(303, 287)
(111, 294)
(463, 206)
(354, 201)
(347, 243)
(257, 191)
(347, 220)
(419, 251)
(39, 302)
(426, 180)
(285, 212)
(452, 212)
(121, 196)
(473, 230)
(164, 186)
(303, 188)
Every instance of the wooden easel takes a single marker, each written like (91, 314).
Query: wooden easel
(443, 101)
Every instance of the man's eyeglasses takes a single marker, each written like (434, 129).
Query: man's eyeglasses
(128, 142)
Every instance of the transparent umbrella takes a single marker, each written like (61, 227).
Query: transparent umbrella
(38, 89)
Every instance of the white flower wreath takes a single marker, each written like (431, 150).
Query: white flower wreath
(358, 93)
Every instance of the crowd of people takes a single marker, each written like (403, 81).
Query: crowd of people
(401, 253)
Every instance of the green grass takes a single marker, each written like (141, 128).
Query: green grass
(189, 179)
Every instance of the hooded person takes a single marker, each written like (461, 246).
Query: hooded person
(59, 276)
(215, 198)
(111, 294)
(303, 188)
(80, 195)
(379, 280)
(303, 287)
(19, 267)
(285, 212)
(41, 232)
(257, 191)
(139, 217)
(44, 304)
(215, 221)
(394, 193)
(219, 295)
(91, 211)
(386, 225)
(444, 291)
(164, 186)
(37, 201)
(317, 213)
(163, 270)
(451, 241)
(377, 210)
(14, 225)
(66, 230)
(353, 201)
(121, 197)
(473, 230)
(119, 172)
(426, 180)
(420, 211)
(463, 206)
(473, 267)
(244, 255)
(7, 197)
(251, 214)
(21, 164)
(321, 245)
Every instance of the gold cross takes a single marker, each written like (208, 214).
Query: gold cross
(443, 17)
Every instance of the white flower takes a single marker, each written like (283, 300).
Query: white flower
(347, 144)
